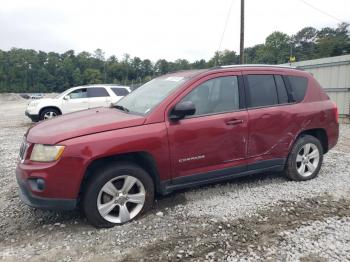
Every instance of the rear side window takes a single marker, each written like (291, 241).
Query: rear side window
(97, 92)
(262, 90)
(298, 85)
(119, 91)
(281, 90)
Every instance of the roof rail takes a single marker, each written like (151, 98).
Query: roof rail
(257, 65)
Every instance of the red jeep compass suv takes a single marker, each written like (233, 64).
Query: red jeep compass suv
(176, 131)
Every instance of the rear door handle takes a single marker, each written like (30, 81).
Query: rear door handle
(234, 122)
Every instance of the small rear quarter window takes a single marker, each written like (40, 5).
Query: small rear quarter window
(299, 86)
(119, 91)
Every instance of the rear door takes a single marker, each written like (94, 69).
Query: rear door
(98, 97)
(214, 139)
(271, 125)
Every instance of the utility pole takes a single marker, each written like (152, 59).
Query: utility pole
(104, 69)
(241, 49)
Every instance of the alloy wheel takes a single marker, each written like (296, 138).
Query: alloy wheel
(49, 115)
(121, 199)
(307, 159)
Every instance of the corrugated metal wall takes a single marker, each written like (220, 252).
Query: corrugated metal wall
(333, 73)
(342, 99)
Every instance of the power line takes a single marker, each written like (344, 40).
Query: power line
(321, 11)
(225, 26)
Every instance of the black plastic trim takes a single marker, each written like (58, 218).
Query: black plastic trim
(274, 165)
(289, 88)
(246, 91)
(34, 118)
(267, 163)
(43, 203)
(241, 92)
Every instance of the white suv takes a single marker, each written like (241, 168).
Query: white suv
(75, 99)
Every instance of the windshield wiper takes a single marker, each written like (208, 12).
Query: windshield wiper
(121, 108)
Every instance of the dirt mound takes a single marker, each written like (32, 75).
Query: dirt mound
(10, 97)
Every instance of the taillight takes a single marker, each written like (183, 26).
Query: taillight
(336, 115)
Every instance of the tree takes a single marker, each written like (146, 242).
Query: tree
(161, 67)
(77, 79)
(304, 43)
(146, 68)
(277, 48)
(99, 54)
(225, 57)
(92, 76)
(333, 42)
(200, 64)
(26, 70)
(255, 54)
(181, 64)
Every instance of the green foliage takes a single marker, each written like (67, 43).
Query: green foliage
(225, 57)
(92, 76)
(26, 70)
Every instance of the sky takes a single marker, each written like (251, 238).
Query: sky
(155, 29)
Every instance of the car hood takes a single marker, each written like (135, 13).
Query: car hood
(41, 100)
(81, 123)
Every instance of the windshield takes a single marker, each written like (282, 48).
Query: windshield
(149, 95)
(62, 94)
(58, 96)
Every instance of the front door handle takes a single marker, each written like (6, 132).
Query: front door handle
(234, 122)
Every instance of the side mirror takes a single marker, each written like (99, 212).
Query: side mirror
(66, 97)
(185, 108)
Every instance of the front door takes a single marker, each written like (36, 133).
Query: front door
(215, 137)
(77, 100)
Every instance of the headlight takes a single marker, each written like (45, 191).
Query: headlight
(45, 153)
(33, 103)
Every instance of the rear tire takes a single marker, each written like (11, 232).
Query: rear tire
(305, 159)
(117, 194)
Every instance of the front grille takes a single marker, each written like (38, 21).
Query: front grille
(23, 149)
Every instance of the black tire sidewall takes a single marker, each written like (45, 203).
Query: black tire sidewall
(101, 177)
(291, 169)
(43, 112)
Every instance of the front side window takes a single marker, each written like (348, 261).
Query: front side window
(262, 90)
(78, 93)
(97, 92)
(215, 96)
(149, 95)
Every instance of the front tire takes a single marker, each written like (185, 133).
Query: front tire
(48, 113)
(305, 160)
(117, 194)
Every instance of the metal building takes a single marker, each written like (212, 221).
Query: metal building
(333, 73)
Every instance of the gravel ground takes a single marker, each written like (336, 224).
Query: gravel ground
(262, 217)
